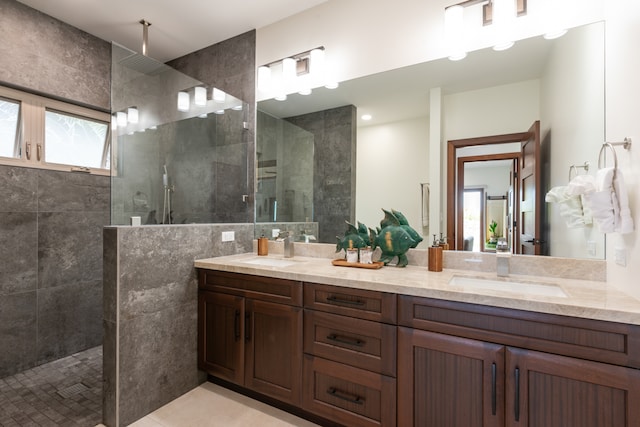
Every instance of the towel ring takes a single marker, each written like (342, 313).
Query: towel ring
(626, 144)
(615, 158)
(574, 168)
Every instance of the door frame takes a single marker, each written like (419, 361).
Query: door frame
(460, 189)
(452, 147)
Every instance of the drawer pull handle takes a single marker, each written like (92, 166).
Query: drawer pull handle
(335, 300)
(236, 325)
(345, 396)
(345, 340)
(493, 389)
(517, 399)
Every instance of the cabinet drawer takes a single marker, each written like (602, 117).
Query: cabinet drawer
(601, 341)
(258, 287)
(348, 395)
(361, 343)
(368, 305)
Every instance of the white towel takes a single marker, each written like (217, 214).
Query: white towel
(570, 206)
(609, 203)
(425, 205)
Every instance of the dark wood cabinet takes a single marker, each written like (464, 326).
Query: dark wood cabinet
(255, 342)
(449, 381)
(455, 381)
(547, 390)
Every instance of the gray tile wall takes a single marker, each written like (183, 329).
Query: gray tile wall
(150, 300)
(230, 66)
(45, 55)
(334, 183)
(51, 271)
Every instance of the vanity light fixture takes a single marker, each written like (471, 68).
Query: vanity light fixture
(295, 73)
(200, 96)
(500, 13)
(183, 101)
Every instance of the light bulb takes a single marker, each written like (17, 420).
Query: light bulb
(200, 96)
(183, 101)
(132, 115)
(218, 95)
(264, 78)
(121, 118)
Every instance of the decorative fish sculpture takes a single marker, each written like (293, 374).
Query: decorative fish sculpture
(352, 239)
(394, 239)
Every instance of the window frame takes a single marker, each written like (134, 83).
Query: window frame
(31, 131)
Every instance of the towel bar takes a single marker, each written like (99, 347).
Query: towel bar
(574, 168)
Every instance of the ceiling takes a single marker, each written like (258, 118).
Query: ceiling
(177, 27)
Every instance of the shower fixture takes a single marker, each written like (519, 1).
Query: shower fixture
(145, 36)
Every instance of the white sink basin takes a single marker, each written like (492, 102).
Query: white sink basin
(528, 288)
(271, 262)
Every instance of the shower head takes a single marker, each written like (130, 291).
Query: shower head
(143, 64)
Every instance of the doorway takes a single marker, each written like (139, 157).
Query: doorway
(526, 203)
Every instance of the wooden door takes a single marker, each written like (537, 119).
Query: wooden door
(220, 344)
(529, 218)
(449, 381)
(546, 390)
(274, 350)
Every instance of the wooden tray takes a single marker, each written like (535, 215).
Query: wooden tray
(343, 263)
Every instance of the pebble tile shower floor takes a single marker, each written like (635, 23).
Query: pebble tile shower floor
(63, 393)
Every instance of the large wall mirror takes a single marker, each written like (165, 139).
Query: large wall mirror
(558, 83)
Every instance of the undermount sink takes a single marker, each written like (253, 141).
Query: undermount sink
(271, 262)
(528, 288)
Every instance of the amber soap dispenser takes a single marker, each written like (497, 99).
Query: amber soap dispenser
(435, 256)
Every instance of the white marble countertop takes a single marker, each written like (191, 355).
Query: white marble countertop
(584, 298)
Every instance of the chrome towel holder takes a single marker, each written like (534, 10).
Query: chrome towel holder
(574, 168)
(626, 144)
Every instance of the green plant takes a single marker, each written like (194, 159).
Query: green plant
(492, 227)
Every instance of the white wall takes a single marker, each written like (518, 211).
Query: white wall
(492, 111)
(570, 101)
(623, 119)
(396, 154)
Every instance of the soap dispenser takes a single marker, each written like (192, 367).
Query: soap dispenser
(263, 246)
(435, 255)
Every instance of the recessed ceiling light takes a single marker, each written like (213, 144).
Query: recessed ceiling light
(366, 117)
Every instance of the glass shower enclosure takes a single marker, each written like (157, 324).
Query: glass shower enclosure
(178, 155)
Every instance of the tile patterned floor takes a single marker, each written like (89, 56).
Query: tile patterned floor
(63, 393)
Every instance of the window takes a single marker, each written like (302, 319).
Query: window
(44, 133)
(74, 140)
(9, 116)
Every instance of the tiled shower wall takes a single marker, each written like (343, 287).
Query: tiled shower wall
(51, 270)
(50, 222)
(334, 172)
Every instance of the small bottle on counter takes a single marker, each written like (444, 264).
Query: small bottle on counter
(263, 246)
(435, 256)
(365, 255)
(352, 253)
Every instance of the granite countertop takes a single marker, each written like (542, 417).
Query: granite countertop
(582, 298)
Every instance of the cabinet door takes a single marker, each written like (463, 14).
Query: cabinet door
(545, 390)
(449, 381)
(274, 350)
(220, 326)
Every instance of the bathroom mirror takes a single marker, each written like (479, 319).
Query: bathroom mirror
(559, 82)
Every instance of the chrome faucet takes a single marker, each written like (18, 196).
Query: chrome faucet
(503, 254)
(288, 246)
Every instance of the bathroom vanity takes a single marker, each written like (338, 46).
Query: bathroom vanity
(409, 347)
